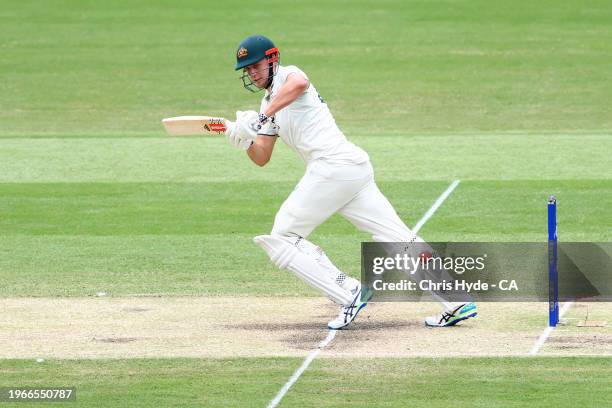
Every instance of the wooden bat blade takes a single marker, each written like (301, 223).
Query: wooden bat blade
(194, 125)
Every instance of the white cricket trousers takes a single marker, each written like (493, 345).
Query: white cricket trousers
(350, 190)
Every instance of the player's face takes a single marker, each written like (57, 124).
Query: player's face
(258, 72)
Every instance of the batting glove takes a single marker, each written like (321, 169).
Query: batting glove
(243, 132)
(266, 126)
(234, 139)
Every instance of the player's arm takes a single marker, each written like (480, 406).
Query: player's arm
(294, 86)
(260, 151)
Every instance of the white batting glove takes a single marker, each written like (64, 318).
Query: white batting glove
(247, 122)
(234, 139)
(243, 132)
(266, 126)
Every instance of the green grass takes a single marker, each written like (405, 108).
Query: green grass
(155, 382)
(390, 67)
(74, 239)
(474, 157)
(474, 382)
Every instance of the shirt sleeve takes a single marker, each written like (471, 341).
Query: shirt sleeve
(292, 69)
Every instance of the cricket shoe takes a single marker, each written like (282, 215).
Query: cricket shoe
(349, 313)
(453, 316)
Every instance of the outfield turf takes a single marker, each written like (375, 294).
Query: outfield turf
(417, 382)
(75, 239)
(512, 99)
(393, 67)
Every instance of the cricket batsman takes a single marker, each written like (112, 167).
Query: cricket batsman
(338, 179)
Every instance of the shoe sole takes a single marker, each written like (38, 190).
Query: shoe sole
(454, 322)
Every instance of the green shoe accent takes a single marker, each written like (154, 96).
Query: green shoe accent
(466, 312)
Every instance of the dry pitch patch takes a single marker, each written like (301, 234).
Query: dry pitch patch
(570, 339)
(261, 327)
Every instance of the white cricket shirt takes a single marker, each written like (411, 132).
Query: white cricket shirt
(308, 127)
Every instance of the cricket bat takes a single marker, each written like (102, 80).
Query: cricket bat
(194, 125)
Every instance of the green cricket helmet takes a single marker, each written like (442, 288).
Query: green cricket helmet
(253, 49)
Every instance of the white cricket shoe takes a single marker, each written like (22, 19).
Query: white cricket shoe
(349, 313)
(452, 316)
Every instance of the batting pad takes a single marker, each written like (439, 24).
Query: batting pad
(292, 255)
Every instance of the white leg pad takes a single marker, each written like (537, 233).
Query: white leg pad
(308, 262)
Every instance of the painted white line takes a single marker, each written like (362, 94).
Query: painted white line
(544, 336)
(303, 367)
(332, 333)
(435, 206)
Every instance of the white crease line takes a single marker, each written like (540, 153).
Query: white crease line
(435, 206)
(303, 367)
(544, 336)
(332, 333)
